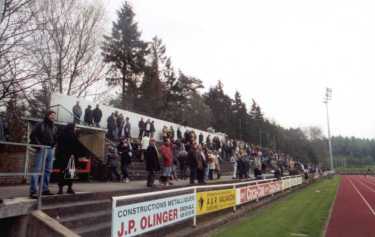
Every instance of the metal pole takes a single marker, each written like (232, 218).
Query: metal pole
(329, 138)
(195, 216)
(234, 207)
(27, 151)
(41, 182)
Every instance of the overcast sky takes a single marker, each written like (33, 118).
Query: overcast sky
(281, 53)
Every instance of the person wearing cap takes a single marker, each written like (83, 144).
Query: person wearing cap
(44, 134)
(152, 162)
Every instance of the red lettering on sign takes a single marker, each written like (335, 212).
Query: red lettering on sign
(143, 222)
(131, 226)
(120, 232)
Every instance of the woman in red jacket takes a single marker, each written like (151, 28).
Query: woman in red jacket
(167, 154)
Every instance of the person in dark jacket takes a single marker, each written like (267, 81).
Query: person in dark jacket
(195, 163)
(97, 116)
(141, 127)
(126, 130)
(111, 126)
(152, 162)
(112, 162)
(126, 153)
(179, 134)
(200, 138)
(77, 112)
(88, 116)
(66, 148)
(152, 128)
(44, 133)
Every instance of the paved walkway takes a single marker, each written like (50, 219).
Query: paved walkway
(7, 192)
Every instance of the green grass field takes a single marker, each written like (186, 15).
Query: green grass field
(301, 214)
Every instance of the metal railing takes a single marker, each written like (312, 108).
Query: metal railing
(25, 173)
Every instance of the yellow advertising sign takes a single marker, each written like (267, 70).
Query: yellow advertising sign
(215, 200)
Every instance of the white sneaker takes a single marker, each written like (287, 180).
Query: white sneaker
(127, 180)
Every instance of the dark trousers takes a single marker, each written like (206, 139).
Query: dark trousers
(200, 175)
(124, 169)
(114, 172)
(150, 178)
(183, 170)
(193, 174)
(211, 174)
(62, 181)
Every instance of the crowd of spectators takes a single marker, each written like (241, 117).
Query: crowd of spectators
(186, 155)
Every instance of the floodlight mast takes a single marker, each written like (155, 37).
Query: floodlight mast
(327, 98)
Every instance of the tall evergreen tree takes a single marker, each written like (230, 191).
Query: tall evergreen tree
(125, 52)
(221, 107)
(151, 90)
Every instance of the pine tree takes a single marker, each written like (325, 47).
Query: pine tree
(125, 51)
(151, 90)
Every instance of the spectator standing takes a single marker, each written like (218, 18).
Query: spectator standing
(152, 128)
(167, 154)
(77, 113)
(66, 149)
(164, 132)
(88, 116)
(111, 124)
(208, 142)
(182, 158)
(120, 122)
(126, 131)
(179, 134)
(148, 128)
(171, 133)
(126, 153)
(200, 138)
(43, 134)
(141, 127)
(152, 162)
(233, 160)
(196, 166)
(97, 115)
(112, 162)
(2, 129)
(145, 142)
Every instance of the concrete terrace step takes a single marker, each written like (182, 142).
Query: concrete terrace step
(98, 230)
(87, 219)
(69, 209)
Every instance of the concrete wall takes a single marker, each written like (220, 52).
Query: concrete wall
(70, 101)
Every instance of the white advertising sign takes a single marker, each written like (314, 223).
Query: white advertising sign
(142, 217)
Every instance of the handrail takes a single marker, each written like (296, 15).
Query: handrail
(42, 170)
(23, 144)
(131, 196)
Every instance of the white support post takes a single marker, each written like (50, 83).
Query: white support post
(195, 216)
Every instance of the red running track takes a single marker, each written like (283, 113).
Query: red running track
(353, 213)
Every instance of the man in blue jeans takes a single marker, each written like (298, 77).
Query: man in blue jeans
(44, 133)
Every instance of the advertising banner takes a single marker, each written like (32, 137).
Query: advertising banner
(142, 217)
(246, 194)
(215, 200)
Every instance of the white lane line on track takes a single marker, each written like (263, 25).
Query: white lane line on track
(363, 198)
(367, 183)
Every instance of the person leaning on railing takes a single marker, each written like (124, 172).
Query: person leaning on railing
(44, 133)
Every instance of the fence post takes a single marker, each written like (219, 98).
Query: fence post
(42, 177)
(235, 204)
(256, 184)
(27, 151)
(195, 216)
